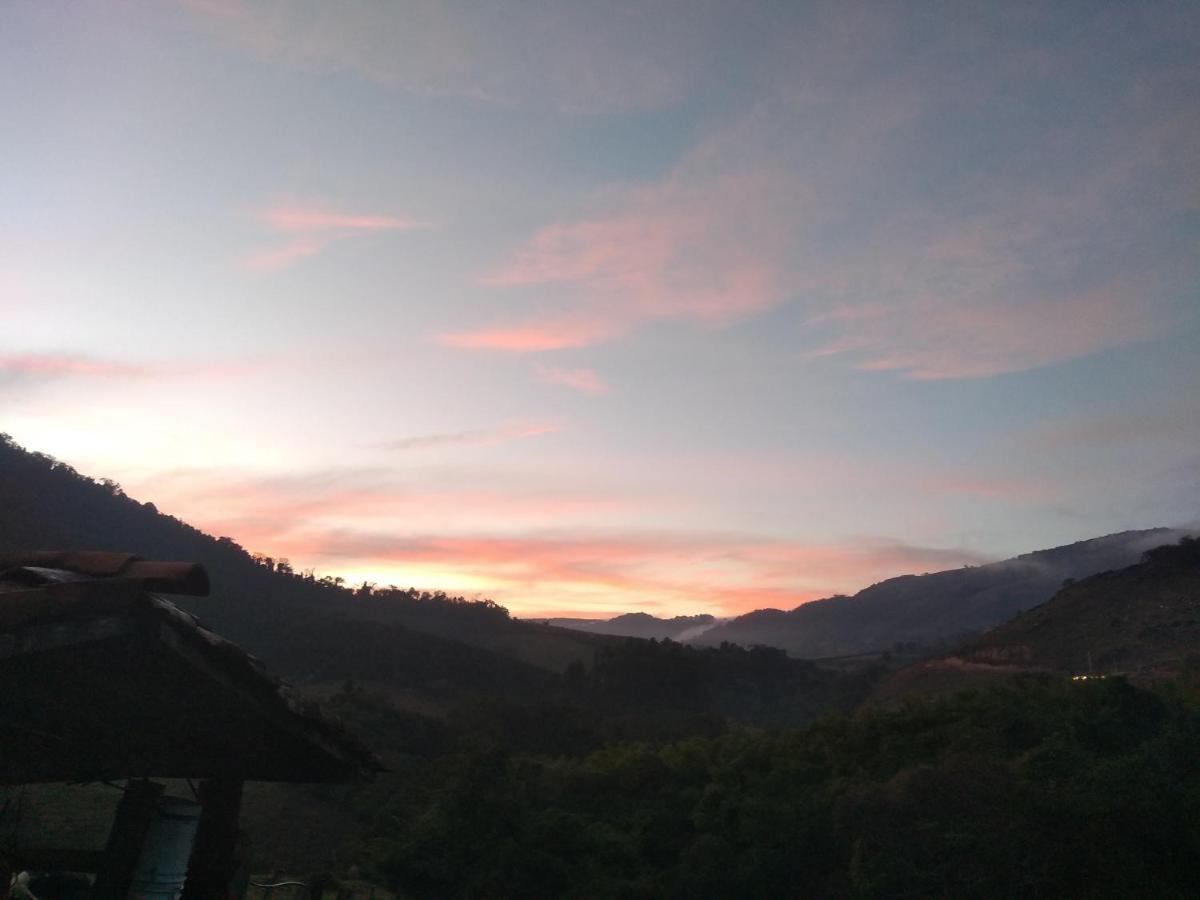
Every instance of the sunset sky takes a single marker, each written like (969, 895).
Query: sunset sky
(597, 307)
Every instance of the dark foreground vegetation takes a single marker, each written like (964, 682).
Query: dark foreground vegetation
(1038, 788)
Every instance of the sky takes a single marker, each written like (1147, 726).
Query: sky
(598, 307)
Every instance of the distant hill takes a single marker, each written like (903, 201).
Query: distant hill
(942, 606)
(643, 625)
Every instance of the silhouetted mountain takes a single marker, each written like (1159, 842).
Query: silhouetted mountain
(309, 630)
(943, 606)
(643, 625)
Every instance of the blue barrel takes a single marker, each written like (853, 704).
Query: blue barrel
(162, 867)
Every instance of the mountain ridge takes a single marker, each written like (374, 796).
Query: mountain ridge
(935, 607)
(1141, 622)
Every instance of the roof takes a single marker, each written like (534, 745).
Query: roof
(101, 678)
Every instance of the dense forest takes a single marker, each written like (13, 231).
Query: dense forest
(1037, 788)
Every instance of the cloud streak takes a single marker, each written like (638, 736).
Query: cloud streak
(312, 230)
(586, 381)
(484, 437)
(51, 366)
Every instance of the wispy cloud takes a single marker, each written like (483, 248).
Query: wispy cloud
(572, 57)
(281, 513)
(1166, 422)
(688, 250)
(842, 193)
(586, 381)
(312, 230)
(477, 438)
(48, 366)
(1011, 489)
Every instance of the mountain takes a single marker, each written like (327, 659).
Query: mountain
(937, 607)
(1142, 621)
(642, 625)
(1131, 621)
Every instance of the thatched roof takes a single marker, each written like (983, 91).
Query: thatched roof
(101, 678)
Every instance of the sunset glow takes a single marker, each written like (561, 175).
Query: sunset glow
(610, 307)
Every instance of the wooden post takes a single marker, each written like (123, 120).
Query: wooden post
(135, 814)
(214, 862)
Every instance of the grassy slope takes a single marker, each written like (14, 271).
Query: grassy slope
(1136, 619)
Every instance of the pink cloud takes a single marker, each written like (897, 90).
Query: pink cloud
(282, 257)
(281, 514)
(949, 336)
(1018, 277)
(61, 365)
(49, 365)
(313, 230)
(586, 381)
(690, 249)
(550, 333)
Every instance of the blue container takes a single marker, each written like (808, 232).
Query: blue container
(162, 867)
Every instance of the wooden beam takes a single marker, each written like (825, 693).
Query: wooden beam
(214, 861)
(135, 814)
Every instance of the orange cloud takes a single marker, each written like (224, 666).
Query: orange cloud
(532, 549)
(586, 381)
(728, 574)
(313, 230)
(558, 333)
